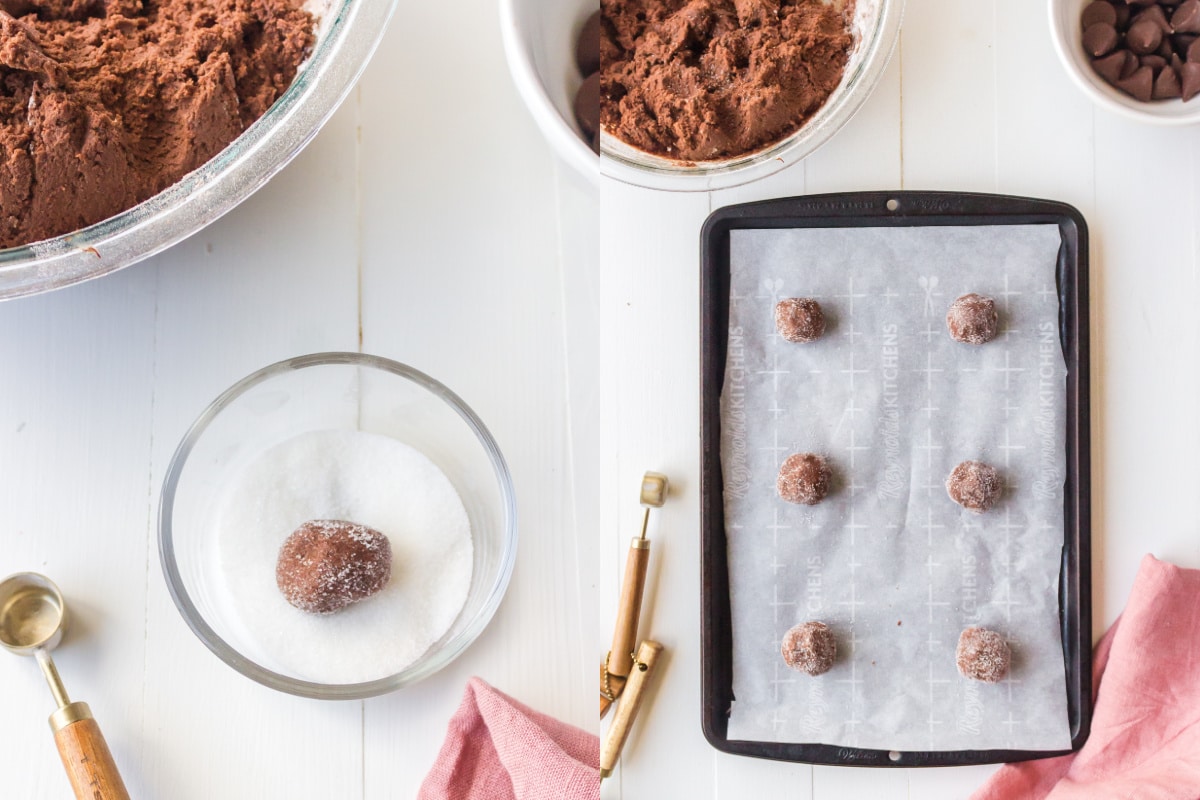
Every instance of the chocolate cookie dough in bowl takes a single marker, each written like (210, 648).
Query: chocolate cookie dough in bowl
(112, 152)
(337, 472)
(704, 95)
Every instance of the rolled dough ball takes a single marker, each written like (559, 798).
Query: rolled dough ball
(982, 655)
(804, 478)
(975, 486)
(972, 319)
(327, 564)
(810, 647)
(799, 319)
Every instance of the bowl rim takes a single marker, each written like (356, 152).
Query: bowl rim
(423, 667)
(555, 127)
(1094, 88)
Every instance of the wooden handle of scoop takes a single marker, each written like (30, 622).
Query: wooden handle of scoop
(620, 658)
(627, 709)
(85, 755)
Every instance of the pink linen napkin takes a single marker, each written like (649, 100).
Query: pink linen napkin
(1145, 740)
(499, 749)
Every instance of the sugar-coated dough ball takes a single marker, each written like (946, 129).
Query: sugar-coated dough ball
(804, 478)
(326, 564)
(982, 655)
(810, 647)
(972, 319)
(975, 486)
(799, 319)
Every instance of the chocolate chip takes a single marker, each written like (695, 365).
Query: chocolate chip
(1131, 65)
(1181, 41)
(587, 48)
(1186, 18)
(1166, 85)
(1140, 85)
(587, 105)
(1149, 49)
(1099, 39)
(1189, 75)
(1143, 37)
(1156, 15)
(1099, 11)
(1111, 66)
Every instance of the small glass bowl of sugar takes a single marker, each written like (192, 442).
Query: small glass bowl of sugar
(338, 436)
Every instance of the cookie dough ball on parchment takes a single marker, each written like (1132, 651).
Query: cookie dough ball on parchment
(810, 647)
(982, 655)
(972, 319)
(975, 486)
(799, 319)
(804, 478)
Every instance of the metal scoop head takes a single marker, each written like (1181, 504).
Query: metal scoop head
(33, 614)
(654, 490)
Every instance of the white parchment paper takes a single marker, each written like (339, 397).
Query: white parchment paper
(888, 560)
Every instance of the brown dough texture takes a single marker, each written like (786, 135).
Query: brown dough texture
(972, 319)
(982, 655)
(810, 647)
(975, 486)
(799, 319)
(104, 103)
(327, 564)
(804, 478)
(700, 80)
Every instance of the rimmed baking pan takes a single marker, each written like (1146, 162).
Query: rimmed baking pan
(891, 210)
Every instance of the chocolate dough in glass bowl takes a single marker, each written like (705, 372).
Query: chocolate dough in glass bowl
(128, 125)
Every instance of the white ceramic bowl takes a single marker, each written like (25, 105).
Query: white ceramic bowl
(877, 28)
(1067, 35)
(539, 42)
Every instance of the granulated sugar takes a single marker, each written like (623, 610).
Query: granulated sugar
(359, 477)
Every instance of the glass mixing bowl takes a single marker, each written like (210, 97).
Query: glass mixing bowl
(347, 391)
(347, 34)
(877, 27)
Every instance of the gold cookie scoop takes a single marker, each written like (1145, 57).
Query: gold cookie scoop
(33, 616)
(614, 672)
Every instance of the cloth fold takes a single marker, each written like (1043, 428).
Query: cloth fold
(1145, 740)
(499, 749)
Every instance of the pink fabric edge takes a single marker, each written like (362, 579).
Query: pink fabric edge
(1156, 586)
(497, 748)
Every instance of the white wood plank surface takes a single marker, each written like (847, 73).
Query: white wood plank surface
(567, 317)
(74, 476)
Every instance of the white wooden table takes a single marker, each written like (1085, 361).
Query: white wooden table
(568, 319)
(442, 247)
(973, 100)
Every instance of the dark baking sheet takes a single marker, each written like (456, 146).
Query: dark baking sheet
(874, 210)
